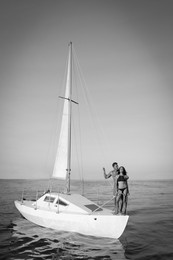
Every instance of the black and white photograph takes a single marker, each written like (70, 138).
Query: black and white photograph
(86, 144)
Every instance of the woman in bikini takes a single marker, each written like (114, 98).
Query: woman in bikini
(122, 191)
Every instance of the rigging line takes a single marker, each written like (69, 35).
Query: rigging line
(100, 134)
(87, 100)
(103, 204)
(92, 110)
(84, 89)
(78, 152)
(80, 155)
(87, 104)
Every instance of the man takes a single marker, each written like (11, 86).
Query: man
(113, 173)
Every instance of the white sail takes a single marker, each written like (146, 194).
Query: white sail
(61, 161)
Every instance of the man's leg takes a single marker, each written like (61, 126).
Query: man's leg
(118, 200)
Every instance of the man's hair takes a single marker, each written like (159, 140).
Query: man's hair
(114, 163)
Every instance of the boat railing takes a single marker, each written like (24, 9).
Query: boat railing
(101, 206)
(28, 196)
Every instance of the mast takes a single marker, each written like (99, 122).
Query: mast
(69, 119)
(62, 165)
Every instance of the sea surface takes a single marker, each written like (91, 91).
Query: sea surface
(148, 235)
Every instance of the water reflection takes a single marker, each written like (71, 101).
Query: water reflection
(37, 242)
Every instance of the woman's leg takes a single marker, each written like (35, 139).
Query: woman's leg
(125, 201)
(119, 201)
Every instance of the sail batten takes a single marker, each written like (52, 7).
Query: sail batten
(62, 161)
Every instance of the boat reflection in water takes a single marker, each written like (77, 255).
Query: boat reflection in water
(32, 241)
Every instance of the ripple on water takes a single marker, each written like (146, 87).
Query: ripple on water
(29, 241)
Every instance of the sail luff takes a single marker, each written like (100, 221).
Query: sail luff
(63, 157)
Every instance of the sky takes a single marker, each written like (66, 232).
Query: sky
(126, 55)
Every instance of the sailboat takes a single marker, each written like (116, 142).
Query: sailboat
(66, 211)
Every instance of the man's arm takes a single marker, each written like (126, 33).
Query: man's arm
(106, 175)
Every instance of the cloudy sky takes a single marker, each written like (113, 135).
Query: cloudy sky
(126, 55)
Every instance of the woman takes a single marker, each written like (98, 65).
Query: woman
(122, 191)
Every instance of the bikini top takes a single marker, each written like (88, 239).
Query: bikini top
(121, 178)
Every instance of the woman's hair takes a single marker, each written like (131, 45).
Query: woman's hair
(124, 170)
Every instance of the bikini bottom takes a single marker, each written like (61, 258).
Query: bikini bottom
(122, 190)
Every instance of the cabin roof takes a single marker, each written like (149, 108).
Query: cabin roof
(79, 201)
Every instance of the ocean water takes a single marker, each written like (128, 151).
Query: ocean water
(148, 235)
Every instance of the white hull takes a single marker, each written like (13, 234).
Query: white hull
(101, 224)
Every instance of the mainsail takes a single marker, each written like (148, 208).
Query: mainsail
(63, 156)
